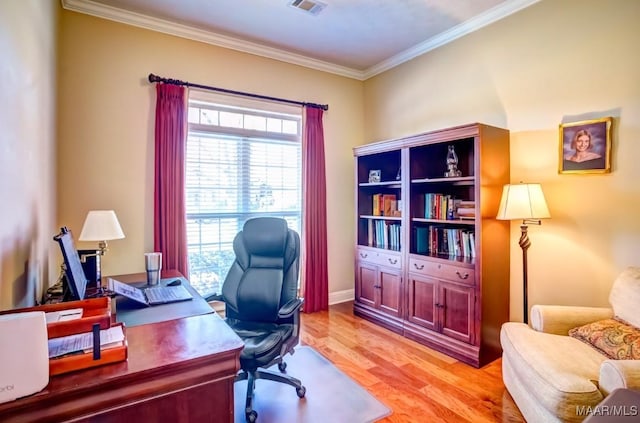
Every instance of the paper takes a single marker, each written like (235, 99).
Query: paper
(63, 315)
(83, 342)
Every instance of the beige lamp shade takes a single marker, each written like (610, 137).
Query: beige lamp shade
(101, 225)
(522, 202)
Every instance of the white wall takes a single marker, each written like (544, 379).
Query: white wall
(27, 147)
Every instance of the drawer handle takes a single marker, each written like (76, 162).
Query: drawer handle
(393, 261)
(364, 255)
(466, 275)
(418, 267)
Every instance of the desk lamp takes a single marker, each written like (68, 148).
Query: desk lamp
(523, 202)
(102, 226)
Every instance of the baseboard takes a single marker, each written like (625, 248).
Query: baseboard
(341, 296)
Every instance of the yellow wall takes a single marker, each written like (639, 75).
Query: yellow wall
(555, 61)
(106, 119)
(27, 147)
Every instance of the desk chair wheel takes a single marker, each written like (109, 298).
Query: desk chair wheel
(301, 391)
(282, 366)
(252, 416)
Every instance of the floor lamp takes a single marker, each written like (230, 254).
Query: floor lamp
(102, 226)
(523, 202)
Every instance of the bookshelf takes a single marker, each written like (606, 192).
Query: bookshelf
(436, 268)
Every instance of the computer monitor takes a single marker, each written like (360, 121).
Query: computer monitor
(76, 281)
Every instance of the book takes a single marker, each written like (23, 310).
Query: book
(422, 240)
(376, 205)
(466, 212)
(387, 200)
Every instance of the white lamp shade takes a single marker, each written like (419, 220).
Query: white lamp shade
(522, 201)
(101, 225)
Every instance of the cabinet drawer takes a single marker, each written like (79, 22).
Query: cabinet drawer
(439, 270)
(382, 258)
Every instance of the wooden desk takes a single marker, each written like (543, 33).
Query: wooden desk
(178, 370)
(132, 313)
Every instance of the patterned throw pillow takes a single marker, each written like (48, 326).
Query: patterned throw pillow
(613, 337)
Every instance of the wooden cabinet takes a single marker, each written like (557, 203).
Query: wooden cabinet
(379, 286)
(432, 262)
(441, 306)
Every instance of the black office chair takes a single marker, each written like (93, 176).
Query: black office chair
(262, 305)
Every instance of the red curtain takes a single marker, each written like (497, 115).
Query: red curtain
(170, 227)
(314, 210)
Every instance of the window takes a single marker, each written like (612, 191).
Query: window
(241, 162)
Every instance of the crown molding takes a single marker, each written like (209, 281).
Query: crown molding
(167, 27)
(171, 28)
(490, 16)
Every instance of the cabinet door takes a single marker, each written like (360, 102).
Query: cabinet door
(390, 290)
(366, 283)
(422, 309)
(458, 309)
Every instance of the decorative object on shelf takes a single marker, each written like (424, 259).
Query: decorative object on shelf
(585, 147)
(523, 202)
(452, 164)
(374, 175)
(399, 174)
(102, 226)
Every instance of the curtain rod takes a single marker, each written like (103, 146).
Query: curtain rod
(156, 78)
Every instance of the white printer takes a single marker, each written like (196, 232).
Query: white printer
(24, 354)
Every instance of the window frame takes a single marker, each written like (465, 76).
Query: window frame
(244, 137)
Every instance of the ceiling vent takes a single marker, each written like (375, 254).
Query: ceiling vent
(308, 6)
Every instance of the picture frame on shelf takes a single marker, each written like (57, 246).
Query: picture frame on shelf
(374, 175)
(585, 146)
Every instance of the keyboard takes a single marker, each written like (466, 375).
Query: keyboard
(166, 294)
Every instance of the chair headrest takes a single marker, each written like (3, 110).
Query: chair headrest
(265, 236)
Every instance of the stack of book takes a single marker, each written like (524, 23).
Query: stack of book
(441, 206)
(384, 234)
(466, 209)
(449, 241)
(386, 205)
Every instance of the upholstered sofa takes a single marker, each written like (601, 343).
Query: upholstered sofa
(564, 363)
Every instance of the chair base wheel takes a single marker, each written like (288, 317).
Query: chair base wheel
(282, 366)
(301, 391)
(252, 416)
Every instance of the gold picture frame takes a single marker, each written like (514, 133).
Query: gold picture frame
(585, 146)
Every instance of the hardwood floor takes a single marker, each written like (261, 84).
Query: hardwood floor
(417, 383)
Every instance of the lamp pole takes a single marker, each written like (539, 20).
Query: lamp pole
(525, 243)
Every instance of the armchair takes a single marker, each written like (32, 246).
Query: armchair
(262, 306)
(551, 375)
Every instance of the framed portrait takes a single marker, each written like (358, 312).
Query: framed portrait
(374, 175)
(585, 147)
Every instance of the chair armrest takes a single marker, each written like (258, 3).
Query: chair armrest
(616, 374)
(290, 308)
(558, 320)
